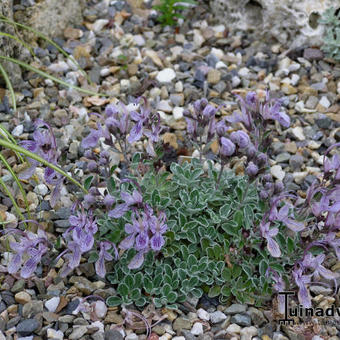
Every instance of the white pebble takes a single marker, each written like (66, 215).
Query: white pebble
(99, 25)
(295, 79)
(217, 317)
(131, 336)
(100, 309)
(325, 102)
(139, 40)
(233, 329)
(178, 112)
(166, 76)
(197, 329)
(248, 332)
(54, 335)
(298, 133)
(41, 189)
(244, 72)
(18, 130)
(203, 314)
(179, 86)
(164, 105)
(60, 66)
(220, 64)
(235, 81)
(277, 172)
(52, 304)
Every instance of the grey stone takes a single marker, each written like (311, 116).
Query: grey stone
(313, 54)
(181, 323)
(217, 317)
(311, 102)
(323, 122)
(235, 308)
(28, 326)
(18, 286)
(113, 335)
(13, 322)
(291, 334)
(292, 23)
(32, 308)
(241, 320)
(257, 317)
(295, 162)
(187, 335)
(283, 157)
(51, 17)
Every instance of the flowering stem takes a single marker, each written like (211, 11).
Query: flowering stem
(34, 156)
(220, 174)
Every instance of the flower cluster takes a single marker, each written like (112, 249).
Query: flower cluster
(28, 251)
(125, 125)
(146, 230)
(80, 239)
(44, 145)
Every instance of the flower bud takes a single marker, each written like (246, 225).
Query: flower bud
(89, 154)
(267, 178)
(269, 186)
(109, 201)
(94, 191)
(278, 187)
(263, 194)
(261, 159)
(240, 138)
(227, 147)
(252, 169)
(89, 199)
(251, 151)
(92, 166)
(221, 127)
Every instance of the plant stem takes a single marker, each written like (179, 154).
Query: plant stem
(220, 174)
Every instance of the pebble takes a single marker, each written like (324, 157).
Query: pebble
(166, 76)
(52, 304)
(241, 319)
(27, 327)
(203, 314)
(99, 24)
(18, 130)
(22, 297)
(78, 332)
(41, 189)
(217, 317)
(197, 328)
(325, 102)
(295, 162)
(100, 309)
(277, 172)
(248, 332)
(214, 76)
(54, 335)
(233, 329)
(177, 112)
(235, 308)
(181, 323)
(298, 133)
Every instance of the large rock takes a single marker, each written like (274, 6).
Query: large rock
(51, 17)
(9, 47)
(289, 22)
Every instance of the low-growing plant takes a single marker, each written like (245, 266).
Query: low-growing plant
(196, 227)
(169, 10)
(331, 19)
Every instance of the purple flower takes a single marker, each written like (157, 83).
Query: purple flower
(268, 234)
(334, 242)
(104, 255)
(240, 138)
(301, 281)
(44, 145)
(227, 147)
(285, 216)
(315, 264)
(130, 199)
(92, 139)
(32, 245)
(137, 260)
(279, 286)
(158, 228)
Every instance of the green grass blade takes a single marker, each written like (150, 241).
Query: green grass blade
(9, 194)
(15, 177)
(46, 75)
(10, 36)
(44, 37)
(9, 86)
(32, 155)
(5, 134)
